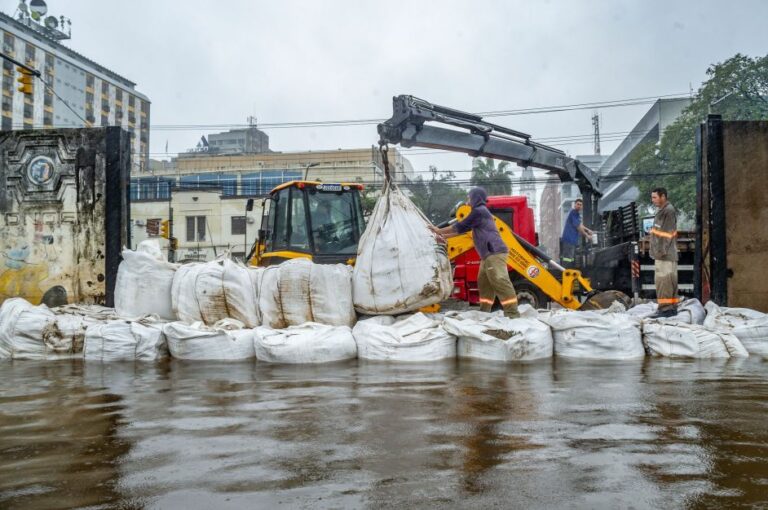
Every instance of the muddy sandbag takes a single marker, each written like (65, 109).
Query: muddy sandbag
(307, 343)
(36, 332)
(409, 338)
(691, 311)
(596, 335)
(225, 340)
(144, 282)
(121, 340)
(680, 340)
(212, 291)
(400, 266)
(749, 326)
(495, 337)
(299, 291)
(643, 310)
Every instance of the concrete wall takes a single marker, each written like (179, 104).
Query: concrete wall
(63, 213)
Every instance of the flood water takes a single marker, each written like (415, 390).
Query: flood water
(574, 434)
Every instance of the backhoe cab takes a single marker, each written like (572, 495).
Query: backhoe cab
(319, 221)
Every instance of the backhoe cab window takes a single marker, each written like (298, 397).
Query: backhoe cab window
(336, 227)
(290, 229)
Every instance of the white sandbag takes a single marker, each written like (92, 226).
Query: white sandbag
(680, 340)
(495, 337)
(411, 338)
(307, 343)
(121, 340)
(144, 282)
(596, 335)
(690, 311)
(298, 291)
(749, 326)
(225, 340)
(400, 266)
(643, 310)
(212, 291)
(36, 332)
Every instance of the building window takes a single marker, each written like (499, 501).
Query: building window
(7, 123)
(238, 225)
(227, 183)
(119, 95)
(261, 183)
(131, 101)
(48, 119)
(7, 104)
(89, 81)
(28, 111)
(195, 229)
(104, 120)
(104, 87)
(29, 54)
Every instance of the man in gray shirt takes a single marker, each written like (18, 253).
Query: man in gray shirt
(663, 250)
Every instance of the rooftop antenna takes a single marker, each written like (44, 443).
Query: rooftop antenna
(596, 125)
(34, 16)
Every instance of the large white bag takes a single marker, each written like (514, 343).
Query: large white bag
(121, 340)
(212, 291)
(400, 266)
(596, 335)
(298, 291)
(225, 340)
(144, 282)
(412, 338)
(495, 337)
(680, 340)
(689, 311)
(749, 326)
(36, 332)
(308, 343)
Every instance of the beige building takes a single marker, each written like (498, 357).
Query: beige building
(207, 194)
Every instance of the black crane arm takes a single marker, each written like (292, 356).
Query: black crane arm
(409, 127)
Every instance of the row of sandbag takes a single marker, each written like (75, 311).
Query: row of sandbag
(292, 293)
(27, 331)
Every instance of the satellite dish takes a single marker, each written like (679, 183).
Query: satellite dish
(23, 7)
(51, 22)
(38, 9)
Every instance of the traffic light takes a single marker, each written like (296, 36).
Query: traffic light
(26, 80)
(165, 230)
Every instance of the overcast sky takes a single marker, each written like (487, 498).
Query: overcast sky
(203, 62)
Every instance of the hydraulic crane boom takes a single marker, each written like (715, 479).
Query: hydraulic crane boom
(409, 127)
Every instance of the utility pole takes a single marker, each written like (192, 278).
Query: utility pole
(596, 125)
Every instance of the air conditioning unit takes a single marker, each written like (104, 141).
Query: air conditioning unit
(250, 220)
(139, 223)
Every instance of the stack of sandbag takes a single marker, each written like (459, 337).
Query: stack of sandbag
(225, 340)
(400, 266)
(596, 334)
(121, 340)
(408, 338)
(299, 291)
(37, 332)
(749, 326)
(212, 291)
(681, 340)
(307, 343)
(144, 282)
(492, 336)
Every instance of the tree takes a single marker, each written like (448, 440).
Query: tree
(737, 89)
(438, 196)
(496, 180)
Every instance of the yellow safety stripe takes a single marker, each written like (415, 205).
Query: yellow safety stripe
(661, 233)
(667, 301)
(488, 301)
(509, 301)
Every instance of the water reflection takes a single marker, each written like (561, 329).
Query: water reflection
(551, 433)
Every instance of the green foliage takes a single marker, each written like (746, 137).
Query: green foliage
(737, 89)
(437, 196)
(497, 180)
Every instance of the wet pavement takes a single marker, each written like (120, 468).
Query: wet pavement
(573, 434)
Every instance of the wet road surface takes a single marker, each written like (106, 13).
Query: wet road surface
(569, 434)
